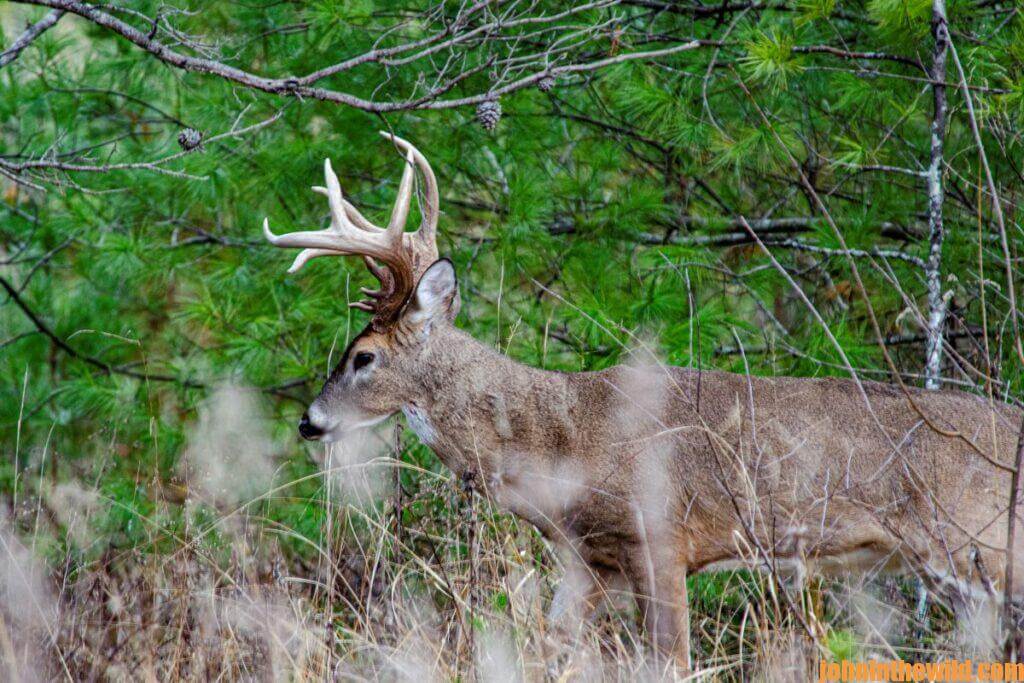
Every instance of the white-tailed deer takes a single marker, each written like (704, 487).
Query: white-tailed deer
(646, 473)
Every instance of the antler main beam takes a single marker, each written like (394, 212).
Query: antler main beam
(405, 255)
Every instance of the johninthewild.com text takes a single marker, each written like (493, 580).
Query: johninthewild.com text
(899, 670)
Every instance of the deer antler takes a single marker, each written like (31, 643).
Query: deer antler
(404, 255)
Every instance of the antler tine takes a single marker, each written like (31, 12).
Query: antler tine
(363, 306)
(342, 237)
(384, 277)
(307, 239)
(400, 213)
(338, 215)
(394, 236)
(375, 270)
(358, 219)
(432, 201)
(307, 254)
(341, 210)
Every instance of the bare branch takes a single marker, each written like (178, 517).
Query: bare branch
(856, 253)
(156, 166)
(298, 88)
(766, 227)
(107, 368)
(845, 54)
(30, 34)
(996, 204)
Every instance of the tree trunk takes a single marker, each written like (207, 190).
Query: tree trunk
(936, 231)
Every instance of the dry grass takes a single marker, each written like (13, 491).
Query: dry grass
(389, 571)
(450, 589)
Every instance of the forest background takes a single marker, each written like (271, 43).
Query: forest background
(777, 187)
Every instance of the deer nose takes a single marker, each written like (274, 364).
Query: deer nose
(308, 430)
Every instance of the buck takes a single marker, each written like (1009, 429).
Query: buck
(644, 474)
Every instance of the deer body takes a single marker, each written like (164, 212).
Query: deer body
(802, 459)
(642, 485)
(643, 475)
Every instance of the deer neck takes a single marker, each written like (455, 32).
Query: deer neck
(476, 408)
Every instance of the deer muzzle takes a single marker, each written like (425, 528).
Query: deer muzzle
(308, 430)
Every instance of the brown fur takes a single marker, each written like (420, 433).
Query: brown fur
(637, 480)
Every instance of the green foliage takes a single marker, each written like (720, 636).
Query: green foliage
(842, 645)
(770, 59)
(901, 19)
(599, 215)
(756, 146)
(811, 10)
(168, 275)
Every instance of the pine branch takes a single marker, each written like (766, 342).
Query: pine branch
(103, 366)
(856, 253)
(766, 227)
(108, 369)
(891, 340)
(721, 9)
(155, 165)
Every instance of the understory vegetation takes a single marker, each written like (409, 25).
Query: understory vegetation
(812, 188)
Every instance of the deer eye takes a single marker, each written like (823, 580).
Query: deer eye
(361, 360)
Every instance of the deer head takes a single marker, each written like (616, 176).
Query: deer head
(380, 371)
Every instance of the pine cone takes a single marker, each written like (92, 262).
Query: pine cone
(189, 139)
(546, 84)
(488, 114)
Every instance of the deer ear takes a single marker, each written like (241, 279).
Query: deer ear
(436, 296)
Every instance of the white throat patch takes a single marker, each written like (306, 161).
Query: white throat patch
(418, 422)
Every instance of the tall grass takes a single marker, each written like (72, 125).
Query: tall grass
(425, 582)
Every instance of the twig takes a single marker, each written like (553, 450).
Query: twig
(762, 226)
(858, 253)
(108, 369)
(846, 54)
(814, 312)
(399, 503)
(1011, 542)
(155, 165)
(862, 290)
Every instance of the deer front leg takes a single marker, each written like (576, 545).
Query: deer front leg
(582, 590)
(662, 598)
